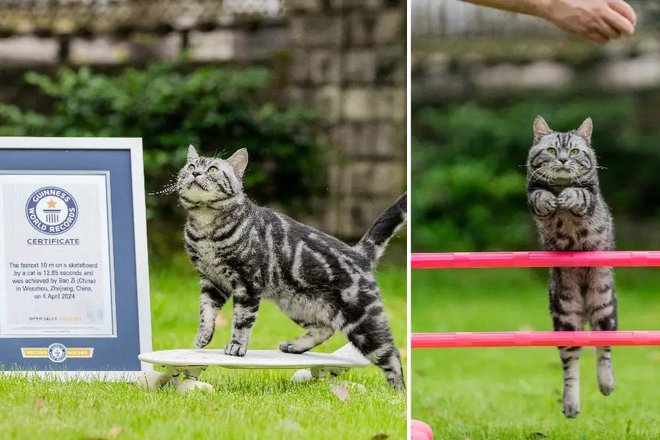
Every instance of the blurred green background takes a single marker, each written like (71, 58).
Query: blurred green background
(479, 78)
(468, 169)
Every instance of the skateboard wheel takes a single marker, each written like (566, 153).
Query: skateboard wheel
(153, 379)
(188, 385)
(302, 376)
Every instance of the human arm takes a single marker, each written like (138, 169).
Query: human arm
(595, 20)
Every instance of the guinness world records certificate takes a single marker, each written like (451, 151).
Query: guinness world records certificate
(56, 264)
(73, 264)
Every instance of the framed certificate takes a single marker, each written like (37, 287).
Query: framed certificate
(74, 288)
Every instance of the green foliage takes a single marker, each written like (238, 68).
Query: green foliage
(216, 109)
(468, 174)
(515, 393)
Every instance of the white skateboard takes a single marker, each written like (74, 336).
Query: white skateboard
(191, 362)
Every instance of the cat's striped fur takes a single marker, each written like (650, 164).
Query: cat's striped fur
(571, 215)
(254, 253)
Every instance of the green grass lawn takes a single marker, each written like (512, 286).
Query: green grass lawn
(515, 393)
(246, 404)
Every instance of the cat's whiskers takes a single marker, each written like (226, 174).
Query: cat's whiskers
(548, 173)
(576, 175)
(540, 171)
(537, 173)
(169, 188)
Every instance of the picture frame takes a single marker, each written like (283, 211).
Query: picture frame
(68, 310)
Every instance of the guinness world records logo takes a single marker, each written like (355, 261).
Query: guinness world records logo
(57, 352)
(51, 210)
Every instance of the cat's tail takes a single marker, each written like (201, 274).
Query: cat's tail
(374, 242)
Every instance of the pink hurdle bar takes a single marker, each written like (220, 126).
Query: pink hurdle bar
(534, 339)
(461, 260)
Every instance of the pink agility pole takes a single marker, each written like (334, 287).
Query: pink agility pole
(420, 431)
(534, 339)
(459, 260)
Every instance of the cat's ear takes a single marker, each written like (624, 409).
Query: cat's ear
(239, 161)
(585, 129)
(192, 153)
(541, 128)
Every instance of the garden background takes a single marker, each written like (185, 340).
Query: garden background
(315, 91)
(479, 78)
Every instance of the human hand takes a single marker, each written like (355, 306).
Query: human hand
(595, 20)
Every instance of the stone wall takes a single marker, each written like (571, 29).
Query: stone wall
(249, 42)
(348, 60)
(483, 67)
(461, 50)
(345, 59)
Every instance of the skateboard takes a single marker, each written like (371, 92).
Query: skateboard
(184, 366)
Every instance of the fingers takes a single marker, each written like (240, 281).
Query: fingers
(597, 20)
(608, 30)
(618, 23)
(596, 37)
(624, 9)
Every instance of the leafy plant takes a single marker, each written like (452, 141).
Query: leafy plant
(216, 109)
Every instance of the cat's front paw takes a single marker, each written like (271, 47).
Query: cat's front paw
(235, 349)
(550, 204)
(568, 199)
(546, 203)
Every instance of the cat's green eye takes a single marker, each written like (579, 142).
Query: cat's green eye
(213, 170)
(552, 151)
(190, 168)
(574, 152)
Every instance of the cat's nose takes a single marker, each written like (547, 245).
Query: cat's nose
(196, 173)
(562, 160)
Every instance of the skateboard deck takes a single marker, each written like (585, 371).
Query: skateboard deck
(191, 362)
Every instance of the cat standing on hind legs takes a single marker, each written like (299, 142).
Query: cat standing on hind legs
(250, 253)
(571, 215)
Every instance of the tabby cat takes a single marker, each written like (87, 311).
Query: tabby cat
(250, 253)
(571, 215)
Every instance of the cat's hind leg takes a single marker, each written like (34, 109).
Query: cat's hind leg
(371, 335)
(567, 308)
(315, 336)
(601, 300)
(570, 359)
